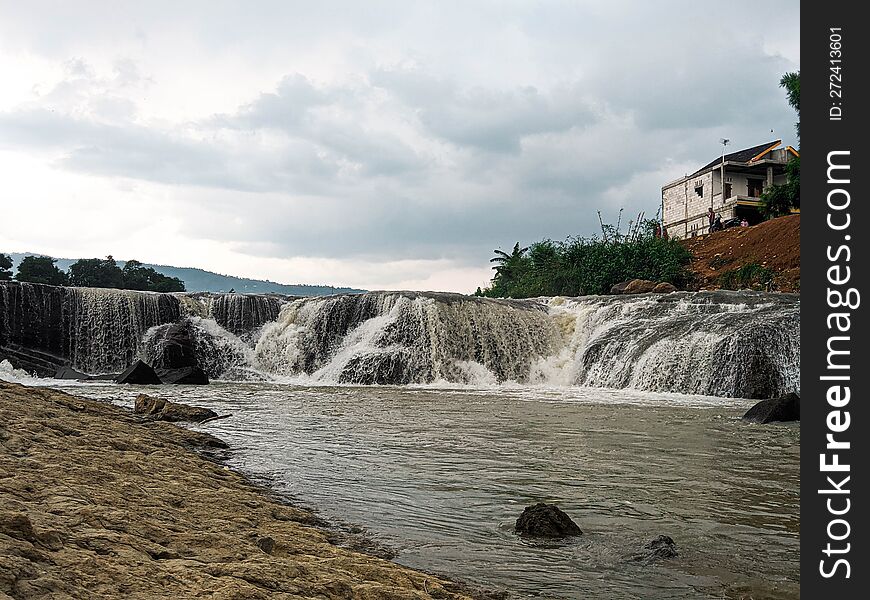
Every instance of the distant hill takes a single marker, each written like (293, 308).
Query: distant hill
(200, 280)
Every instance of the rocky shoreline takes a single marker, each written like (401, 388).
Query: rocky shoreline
(96, 502)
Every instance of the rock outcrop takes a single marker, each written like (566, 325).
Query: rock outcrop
(782, 409)
(164, 410)
(546, 520)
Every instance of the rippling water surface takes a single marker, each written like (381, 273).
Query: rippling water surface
(440, 476)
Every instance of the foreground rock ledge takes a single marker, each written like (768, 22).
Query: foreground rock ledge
(95, 503)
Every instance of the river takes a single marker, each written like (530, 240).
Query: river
(439, 475)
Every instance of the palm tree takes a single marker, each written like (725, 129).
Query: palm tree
(507, 262)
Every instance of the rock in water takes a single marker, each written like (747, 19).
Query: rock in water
(784, 408)
(185, 375)
(69, 373)
(178, 348)
(163, 410)
(661, 547)
(546, 520)
(139, 373)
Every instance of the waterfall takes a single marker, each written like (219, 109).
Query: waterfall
(714, 343)
(741, 344)
(405, 337)
(98, 330)
(738, 344)
(237, 313)
(94, 330)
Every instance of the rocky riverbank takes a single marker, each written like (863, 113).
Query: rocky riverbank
(96, 502)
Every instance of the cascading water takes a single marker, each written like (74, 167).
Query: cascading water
(98, 330)
(741, 344)
(712, 343)
(737, 344)
(94, 330)
(240, 314)
(404, 337)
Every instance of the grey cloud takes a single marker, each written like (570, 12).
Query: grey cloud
(487, 119)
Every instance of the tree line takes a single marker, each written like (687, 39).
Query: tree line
(90, 272)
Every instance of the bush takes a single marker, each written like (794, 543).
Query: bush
(580, 266)
(750, 276)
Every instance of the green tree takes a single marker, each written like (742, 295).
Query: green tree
(136, 276)
(792, 84)
(5, 267)
(95, 272)
(40, 269)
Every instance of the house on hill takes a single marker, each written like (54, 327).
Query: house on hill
(747, 173)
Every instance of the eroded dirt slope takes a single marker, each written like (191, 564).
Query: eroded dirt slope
(774, 245)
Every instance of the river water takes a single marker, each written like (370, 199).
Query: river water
(440, 475)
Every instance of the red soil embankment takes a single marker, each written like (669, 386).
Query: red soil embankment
(774, 244)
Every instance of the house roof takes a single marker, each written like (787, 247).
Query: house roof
(746, 155)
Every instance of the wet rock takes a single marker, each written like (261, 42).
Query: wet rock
(659, 548)
(639, 286)
(177, 346)
(546, 520)
(183, 376)
(163, 410)
(139, 373)
(664, 288)
(784, 408)
(67, 372)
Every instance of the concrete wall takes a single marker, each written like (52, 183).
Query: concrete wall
(681, 200)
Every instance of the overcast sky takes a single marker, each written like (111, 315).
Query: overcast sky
(384, 145)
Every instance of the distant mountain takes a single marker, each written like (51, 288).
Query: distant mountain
(200, 280)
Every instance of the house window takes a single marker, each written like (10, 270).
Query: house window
(699, 190)
(755, 187)
(727, 190)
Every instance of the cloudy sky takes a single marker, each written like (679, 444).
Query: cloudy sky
(384, 145)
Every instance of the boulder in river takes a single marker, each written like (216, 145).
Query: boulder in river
(163, 410)
(139, 373)
(546, 520)
(661, 547)
(184, 375)
(784, 408)
(67, 372)
(177, 346)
